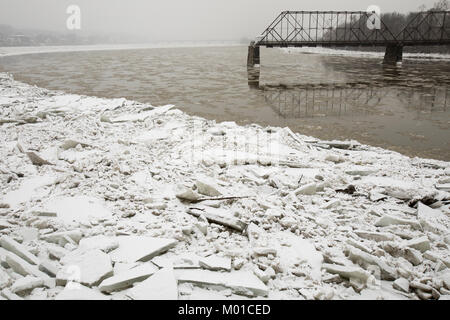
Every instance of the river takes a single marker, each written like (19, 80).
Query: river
(405, 108)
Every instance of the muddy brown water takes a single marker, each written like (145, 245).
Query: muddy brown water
(406, 109)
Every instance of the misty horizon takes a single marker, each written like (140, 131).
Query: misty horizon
(153, 21)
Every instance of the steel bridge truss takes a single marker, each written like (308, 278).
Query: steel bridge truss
(427, 28)
(353, 28)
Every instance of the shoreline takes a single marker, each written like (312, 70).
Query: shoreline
(264, 212)
(365, 54)
(17, 51)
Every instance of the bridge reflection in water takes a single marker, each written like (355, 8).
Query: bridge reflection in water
(350, 99)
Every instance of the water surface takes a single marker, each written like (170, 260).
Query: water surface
(329, 97)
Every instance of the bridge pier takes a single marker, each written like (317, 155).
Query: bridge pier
(253, 58)
(253, 65)
(393, 55)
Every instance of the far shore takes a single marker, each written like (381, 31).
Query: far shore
(15, 51)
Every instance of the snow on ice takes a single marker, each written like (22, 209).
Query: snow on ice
(115, 199)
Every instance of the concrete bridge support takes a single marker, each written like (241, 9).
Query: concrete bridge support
(393, 55)
(253, 65)
(253, 58)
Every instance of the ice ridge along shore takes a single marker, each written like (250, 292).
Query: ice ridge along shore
(115, 199)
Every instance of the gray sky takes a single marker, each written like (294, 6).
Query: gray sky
(177, 19)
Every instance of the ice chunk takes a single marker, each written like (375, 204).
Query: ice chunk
(432, 219)
(29, 188)
(26, 283)
(19, 249)
(241, 282)
(136, 248)
(125, 279)
(160, 286)
(89, 268)
(78, 208)
(216, 263)
(422, 244)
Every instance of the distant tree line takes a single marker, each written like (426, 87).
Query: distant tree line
(419, 26)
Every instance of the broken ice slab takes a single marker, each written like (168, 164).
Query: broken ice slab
(240, 282)
(388, 220)
(443, 187)
(61, 237)
(102, 242)
(70, 144)
(49, 268)
(80, 292)
(432, 220)
(3, 254)
(44, 214)
(297, 249)
(413, 256)
(376, 236)
(375, 196)
(37, 160)
(207, 187)
(140, 248)
(5, 225)
(31, 187)
(13, 246)
(78, 208)
(216, 263)
(8, 120)
(401, 284)
(24, 268)
(218, 216)
(360, 171)
(308, 189)
(331, 204)
(181, 261)
(4, 279)
(7, 294)
(337, 144)
(26, 283)
(436, 257)
(160, 286)
(126, 278)
(88, 268)
(334, 158)
(359, 245)
(134, 117)
(421, 286)
(152, 136)
(422, 244)
(387, 272)
(347, 272)
(186, 194)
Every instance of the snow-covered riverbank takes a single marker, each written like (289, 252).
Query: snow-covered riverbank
(114, 199)
(363, 54)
